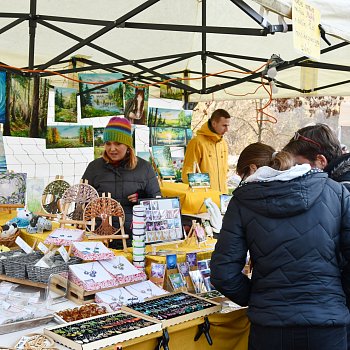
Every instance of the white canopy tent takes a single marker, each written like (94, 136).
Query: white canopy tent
(150, 41)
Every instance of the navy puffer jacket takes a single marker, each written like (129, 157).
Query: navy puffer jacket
(296, 231)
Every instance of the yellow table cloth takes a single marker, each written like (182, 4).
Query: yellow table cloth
(191, 201)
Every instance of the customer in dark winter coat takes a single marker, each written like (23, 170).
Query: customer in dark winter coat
(319, 146)
(295, 222)
(120, 172)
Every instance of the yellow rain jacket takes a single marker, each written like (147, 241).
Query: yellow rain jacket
(210, 151)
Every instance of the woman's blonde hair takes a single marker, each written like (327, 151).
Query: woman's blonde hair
(130, 158)
(260, 155)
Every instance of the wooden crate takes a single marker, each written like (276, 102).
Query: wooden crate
(76, 293)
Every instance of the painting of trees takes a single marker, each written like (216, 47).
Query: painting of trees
(26, 106)
(65, 105)
(71, 136)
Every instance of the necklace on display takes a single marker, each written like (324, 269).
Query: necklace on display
(92, 273)
(119, 265)
(148, 290)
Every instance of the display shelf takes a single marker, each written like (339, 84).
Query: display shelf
(22, 281)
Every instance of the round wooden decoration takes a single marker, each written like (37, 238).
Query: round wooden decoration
(102, 209)
(52, 194)
(77, 197)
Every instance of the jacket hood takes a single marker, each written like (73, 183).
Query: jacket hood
(339, 169)
(282, 198)
(206, 131)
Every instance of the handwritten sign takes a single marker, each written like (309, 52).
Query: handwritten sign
(306, 34)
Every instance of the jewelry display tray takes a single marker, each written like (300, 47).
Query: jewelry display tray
(20, 325)
(155, 327)
(216, 307)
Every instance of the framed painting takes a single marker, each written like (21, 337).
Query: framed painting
(168, 136)
(169, 117)
(198, 180)
(136, 104)
(2, 97)
(65, 105)
(13, 188)
(101, 100)
(69, 136)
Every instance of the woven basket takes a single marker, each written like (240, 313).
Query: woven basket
(42, 274)
(7, 255)
(9, 241)
(17, 268)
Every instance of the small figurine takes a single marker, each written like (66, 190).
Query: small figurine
(8, 230)
(39, 224)
(22, 219)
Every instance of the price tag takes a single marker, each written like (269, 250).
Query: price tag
(22, 244)
(63, 253)
(42, 247)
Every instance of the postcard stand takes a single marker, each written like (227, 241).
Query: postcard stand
(78, 195)
(192, 235)
(105, 208)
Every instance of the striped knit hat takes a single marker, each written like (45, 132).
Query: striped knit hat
(118, 129)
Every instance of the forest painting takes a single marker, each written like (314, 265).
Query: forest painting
(101, 101)
(65, 105)
(2, 97)
(167, 91)
(162, 158)
(165, 136)
(71, 136)
(169, 117)
(27, 104)
(98, 142)
(136, 104)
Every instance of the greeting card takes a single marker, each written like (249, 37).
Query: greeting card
(202, 264)
(177, 281)
(183, 268)
(171, 260)
(191, 259)
(198, 281)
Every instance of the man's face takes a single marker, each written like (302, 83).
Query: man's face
(221, 126)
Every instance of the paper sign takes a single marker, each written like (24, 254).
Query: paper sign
(306, 33)
(63, 253)
(42, 247)
(22, 244)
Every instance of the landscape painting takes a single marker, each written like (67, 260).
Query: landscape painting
(35, 189)
(65, 105)
(13, 188)
(101, 100)
(70, 136)
(27, 104)
(165, 136)
(169, 117)
(2, 96)
(171, 92)
(98, 142)
(136, 104)
(198, 180)
(3, 166)
(162, 158)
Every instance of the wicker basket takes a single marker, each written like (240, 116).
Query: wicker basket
(17, 268)
(42, 274)
(6, 255)
(9, 241)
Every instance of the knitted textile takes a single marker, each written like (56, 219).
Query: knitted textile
(118, 129)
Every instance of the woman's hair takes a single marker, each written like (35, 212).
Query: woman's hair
(314, 140)
(260, 155)
(130, 158)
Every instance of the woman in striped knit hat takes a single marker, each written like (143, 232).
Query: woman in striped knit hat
(120, 172)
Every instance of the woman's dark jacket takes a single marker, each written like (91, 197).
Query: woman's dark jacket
(296, 232)
(121, 182)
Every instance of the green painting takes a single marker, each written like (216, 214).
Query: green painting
(169, 117)
(65, 105)
(101, 100)
(98, 142)
(27, 103)
(166, 136)
(71, 136)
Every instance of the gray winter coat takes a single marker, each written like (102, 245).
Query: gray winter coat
(122, 182)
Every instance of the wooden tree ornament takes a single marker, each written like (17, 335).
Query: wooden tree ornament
(74, 200)
(52, 194)
(104, 209)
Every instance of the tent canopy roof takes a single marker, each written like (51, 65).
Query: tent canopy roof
(149, 41)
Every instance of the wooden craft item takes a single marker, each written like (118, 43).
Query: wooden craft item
(52, 194)
(104, 209)
(74, 200)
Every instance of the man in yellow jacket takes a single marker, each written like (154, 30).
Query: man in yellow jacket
(209, 150)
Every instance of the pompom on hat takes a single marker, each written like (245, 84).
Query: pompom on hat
(118, 129)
